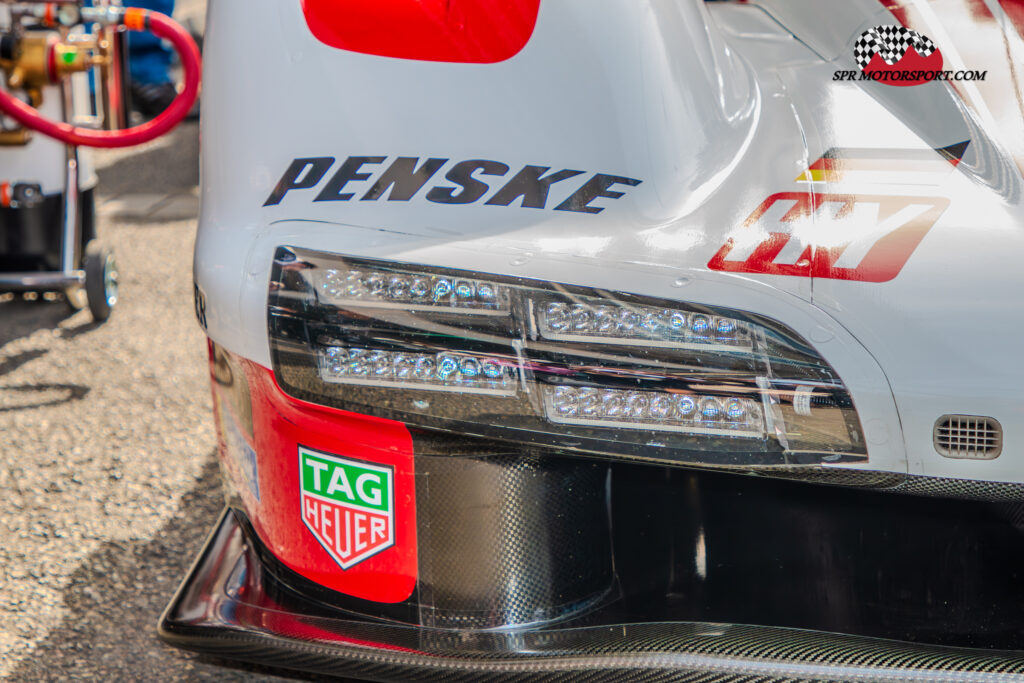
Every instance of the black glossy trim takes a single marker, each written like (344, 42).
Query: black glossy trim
(31, 235)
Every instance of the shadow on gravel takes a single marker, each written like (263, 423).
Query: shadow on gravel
(115, 600)
(169, 167)
(20, 318)
(72, 332)
(12, 363)
(26, 396)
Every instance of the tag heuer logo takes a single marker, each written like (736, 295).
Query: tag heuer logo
(348, 505)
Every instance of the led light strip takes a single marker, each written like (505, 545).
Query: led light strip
(608, 322)
(594, 365)
(411, 291)
(662, 411)
(463, 373)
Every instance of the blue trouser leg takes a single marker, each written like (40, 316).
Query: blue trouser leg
(149, 60)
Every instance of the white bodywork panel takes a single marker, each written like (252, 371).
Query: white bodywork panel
(714, 110)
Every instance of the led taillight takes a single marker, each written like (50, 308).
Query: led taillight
(543, 363)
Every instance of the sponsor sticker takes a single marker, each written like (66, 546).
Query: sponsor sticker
(473, 181)
(837, 236)
(802, 400)
(858, 234)
(865, 167)
(199, 299)
(243, 461)
(348, 505)
(900, 56)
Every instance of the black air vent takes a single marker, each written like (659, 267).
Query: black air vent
(968, 436)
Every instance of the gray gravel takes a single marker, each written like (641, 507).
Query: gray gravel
(108, 474)
(108, 481)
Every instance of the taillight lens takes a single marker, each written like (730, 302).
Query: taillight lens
(554, 365)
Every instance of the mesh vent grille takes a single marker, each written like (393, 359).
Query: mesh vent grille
(968, 436)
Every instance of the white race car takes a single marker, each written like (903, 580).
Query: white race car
(504, 298)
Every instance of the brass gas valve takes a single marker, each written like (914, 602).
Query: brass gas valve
(36, 59)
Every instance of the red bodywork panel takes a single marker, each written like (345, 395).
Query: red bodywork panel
(467, 31)
(280, 425)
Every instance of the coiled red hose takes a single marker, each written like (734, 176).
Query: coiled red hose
(163, 27)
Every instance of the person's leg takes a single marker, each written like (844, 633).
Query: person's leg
(150, 59)
(150, 64)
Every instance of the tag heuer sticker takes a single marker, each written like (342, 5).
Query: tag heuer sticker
(348, 505)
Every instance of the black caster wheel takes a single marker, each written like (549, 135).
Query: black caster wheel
(101, 280)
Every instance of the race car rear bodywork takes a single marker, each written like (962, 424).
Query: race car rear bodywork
(503, 298)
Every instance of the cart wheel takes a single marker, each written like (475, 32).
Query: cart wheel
(100, 280)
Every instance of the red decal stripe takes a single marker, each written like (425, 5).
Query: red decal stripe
(467, 31)
(1015, 11)
(282, 425)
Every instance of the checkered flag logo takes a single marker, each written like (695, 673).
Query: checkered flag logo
(892, 42)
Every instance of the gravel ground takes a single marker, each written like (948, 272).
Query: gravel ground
(108, 474)
(108, 478)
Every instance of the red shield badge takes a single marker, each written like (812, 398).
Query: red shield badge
(348, 505)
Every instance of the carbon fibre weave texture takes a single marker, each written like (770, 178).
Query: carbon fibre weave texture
(665, 652)
(992, 491)
(511, 540)
(224, 609)
(891, 482)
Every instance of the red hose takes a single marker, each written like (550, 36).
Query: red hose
(163, 27)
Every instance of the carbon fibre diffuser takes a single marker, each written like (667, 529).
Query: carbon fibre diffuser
(237, 602)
